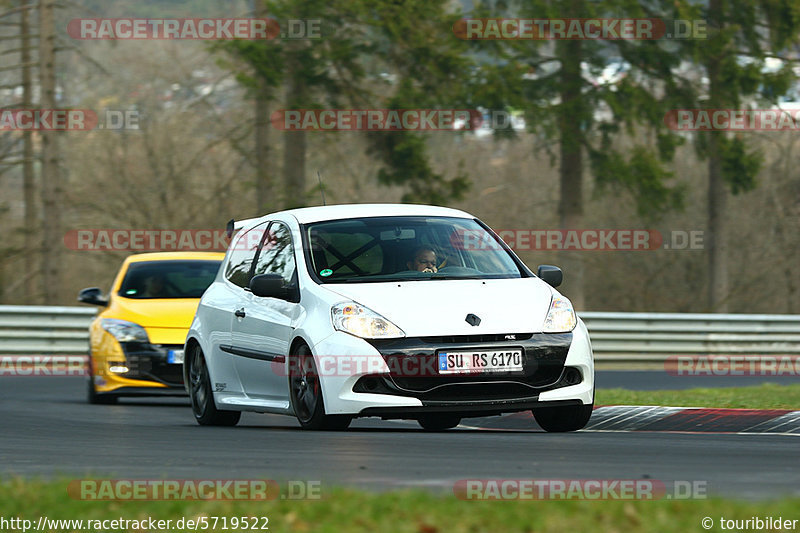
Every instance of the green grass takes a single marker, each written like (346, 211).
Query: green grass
(767, 396)
(413, 511)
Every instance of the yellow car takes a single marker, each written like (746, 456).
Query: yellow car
(136, 341)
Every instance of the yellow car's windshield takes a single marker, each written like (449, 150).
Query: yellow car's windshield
(168, 279)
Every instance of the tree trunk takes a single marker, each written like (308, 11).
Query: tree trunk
(265, 196)
(716, 240)
(51, 186)
(294, 168)
(294, 152)
(571, 170)
(28, 186)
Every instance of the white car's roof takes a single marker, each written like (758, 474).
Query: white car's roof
(306, 215)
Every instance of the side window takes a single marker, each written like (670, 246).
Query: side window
(242, 255)
(277, 254)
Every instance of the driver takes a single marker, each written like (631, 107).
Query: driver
(423, 260)
(154, 287)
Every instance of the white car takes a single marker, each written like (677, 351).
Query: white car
(393, 311)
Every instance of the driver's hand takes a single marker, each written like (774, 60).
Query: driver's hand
(432, 270)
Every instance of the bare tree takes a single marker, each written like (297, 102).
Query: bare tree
(717, 193)
(51, 179)
(22, 43)
(28, 185)
(294, 151)
(264, 190)
(571, 170)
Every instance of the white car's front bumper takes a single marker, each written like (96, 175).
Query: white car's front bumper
(342, 360)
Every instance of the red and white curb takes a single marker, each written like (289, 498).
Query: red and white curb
(666, 419)
(695, 420)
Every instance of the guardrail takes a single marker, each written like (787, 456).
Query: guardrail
(44, 329)
(616, 337)
(652, 337)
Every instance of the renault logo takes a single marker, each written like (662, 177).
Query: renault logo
(473, 320)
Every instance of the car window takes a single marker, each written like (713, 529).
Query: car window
(277, 254)
(242, 255)
(347, 250)
(390, 248)
(168, 279)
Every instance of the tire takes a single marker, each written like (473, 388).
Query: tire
(438, 422)
(563, 418)
(92, 396)
(203, 406)
(305, 391)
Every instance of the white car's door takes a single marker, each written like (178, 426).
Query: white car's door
(231, 298)
(261, 336)
(218, 302)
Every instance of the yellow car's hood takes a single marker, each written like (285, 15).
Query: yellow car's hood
(166, 313)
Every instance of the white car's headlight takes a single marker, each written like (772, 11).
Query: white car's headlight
(125, 331)
(363, 322)
(561, 317)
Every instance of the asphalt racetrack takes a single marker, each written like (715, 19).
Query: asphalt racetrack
(48, 430)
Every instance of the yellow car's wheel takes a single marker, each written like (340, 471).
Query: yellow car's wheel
(92, 395)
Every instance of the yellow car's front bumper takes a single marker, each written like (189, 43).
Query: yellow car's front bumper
(135, 368)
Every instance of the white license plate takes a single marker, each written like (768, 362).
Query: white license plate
(175, 357)
(471, 362)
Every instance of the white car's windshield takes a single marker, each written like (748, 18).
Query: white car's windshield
(405, 248)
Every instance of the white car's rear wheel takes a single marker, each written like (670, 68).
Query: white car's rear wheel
(203, 406)
(305, 389)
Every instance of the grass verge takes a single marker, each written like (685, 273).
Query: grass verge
(766, 396)
(413, 511)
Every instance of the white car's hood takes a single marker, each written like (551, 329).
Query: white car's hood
(440, 307)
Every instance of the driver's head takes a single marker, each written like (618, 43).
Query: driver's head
(154, 284)
(423, 258)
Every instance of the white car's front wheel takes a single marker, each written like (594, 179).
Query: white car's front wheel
(563, 418)
(438, 422)
(305, 389)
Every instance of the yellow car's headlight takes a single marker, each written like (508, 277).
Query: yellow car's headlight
(124, 331)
